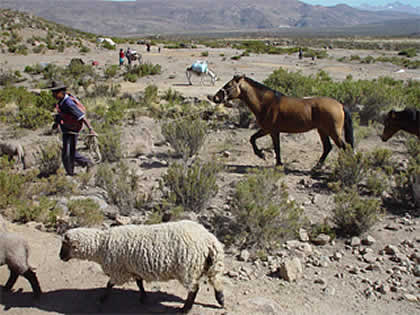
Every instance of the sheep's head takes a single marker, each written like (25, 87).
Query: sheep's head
(68, 247)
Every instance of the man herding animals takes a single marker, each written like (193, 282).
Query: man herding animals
(71, 116)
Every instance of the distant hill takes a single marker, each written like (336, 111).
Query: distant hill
(144, 17)
(392, 7)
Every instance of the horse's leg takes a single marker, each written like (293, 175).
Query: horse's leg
(275, 136)
(260, 133)
(188, 74)
(326, 144)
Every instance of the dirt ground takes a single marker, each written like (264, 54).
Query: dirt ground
(340, 286)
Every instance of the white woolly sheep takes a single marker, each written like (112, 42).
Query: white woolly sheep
(14, 252)
(182, 250)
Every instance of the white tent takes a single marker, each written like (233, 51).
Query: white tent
(108, 40)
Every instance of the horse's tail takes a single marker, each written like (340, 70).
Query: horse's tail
(348, 127)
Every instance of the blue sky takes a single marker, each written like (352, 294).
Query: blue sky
(414, 3)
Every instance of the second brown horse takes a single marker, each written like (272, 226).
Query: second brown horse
(277, 113)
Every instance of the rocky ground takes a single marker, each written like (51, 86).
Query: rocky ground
(376, 274)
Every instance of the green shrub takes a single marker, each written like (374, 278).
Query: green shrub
(172, 96)
(34, 69)
(111, 71)
(39, 49)
(349, 169)
(205, 54)
(150, 94)
(353, 214)
(84, 49)
(56, 184)
(43, 211)
(7, 78)
(409, 52)
(263, 211)
(33, 117)
(107, 45)
(110, 145)
(120, 184)
(11, 186)
(50, 160)
(142, 70)
(322, 228)
(85, 212)
(185, 134)
(380, 158)
(190, 187)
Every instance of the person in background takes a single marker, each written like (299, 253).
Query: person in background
(121, 56)
(128, 55)
(71, 116)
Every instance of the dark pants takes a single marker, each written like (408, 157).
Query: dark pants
(69, 154)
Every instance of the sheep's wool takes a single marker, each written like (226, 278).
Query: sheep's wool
(14, 250)
(182, 250)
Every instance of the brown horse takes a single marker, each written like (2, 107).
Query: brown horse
(407, 120)
(277, 113)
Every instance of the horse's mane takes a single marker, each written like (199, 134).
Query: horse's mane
(262, 86)
(408, 114)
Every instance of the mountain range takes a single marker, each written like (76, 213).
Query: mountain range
(146, 17)
(392, 7)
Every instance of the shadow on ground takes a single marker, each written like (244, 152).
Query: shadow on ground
(71, 301)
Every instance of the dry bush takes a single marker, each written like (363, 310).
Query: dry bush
(121, 186)
(85, 212)
(185, 134)
(50, 160)
(353, 214)
(190, 186)
(264, 214)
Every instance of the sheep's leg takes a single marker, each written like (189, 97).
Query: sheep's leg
(220, 297)
(190, 300)
(218, 290)
(108, 290)
(143, 295)
(33, 280)
(12, 280)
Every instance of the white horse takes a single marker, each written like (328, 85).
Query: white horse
(189, 72)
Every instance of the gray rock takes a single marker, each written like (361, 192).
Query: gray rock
(244, 255)
(303, 235)
(383, 288)
(329, 291)
(355, 241)
(411, 297)
(416, 270)
(321, 239)
(122, 219)
(291, 269)
(321, 281)
(390, 250)
(369, 258)
(368, 240)
(392, 227)
(261, 305)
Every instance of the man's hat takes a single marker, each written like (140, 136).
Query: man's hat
(58, 86)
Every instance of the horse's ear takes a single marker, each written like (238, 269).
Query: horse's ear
(236, 77)
(393, 115)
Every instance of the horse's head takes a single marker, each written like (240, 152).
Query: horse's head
(229, 91)
(390, 125)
